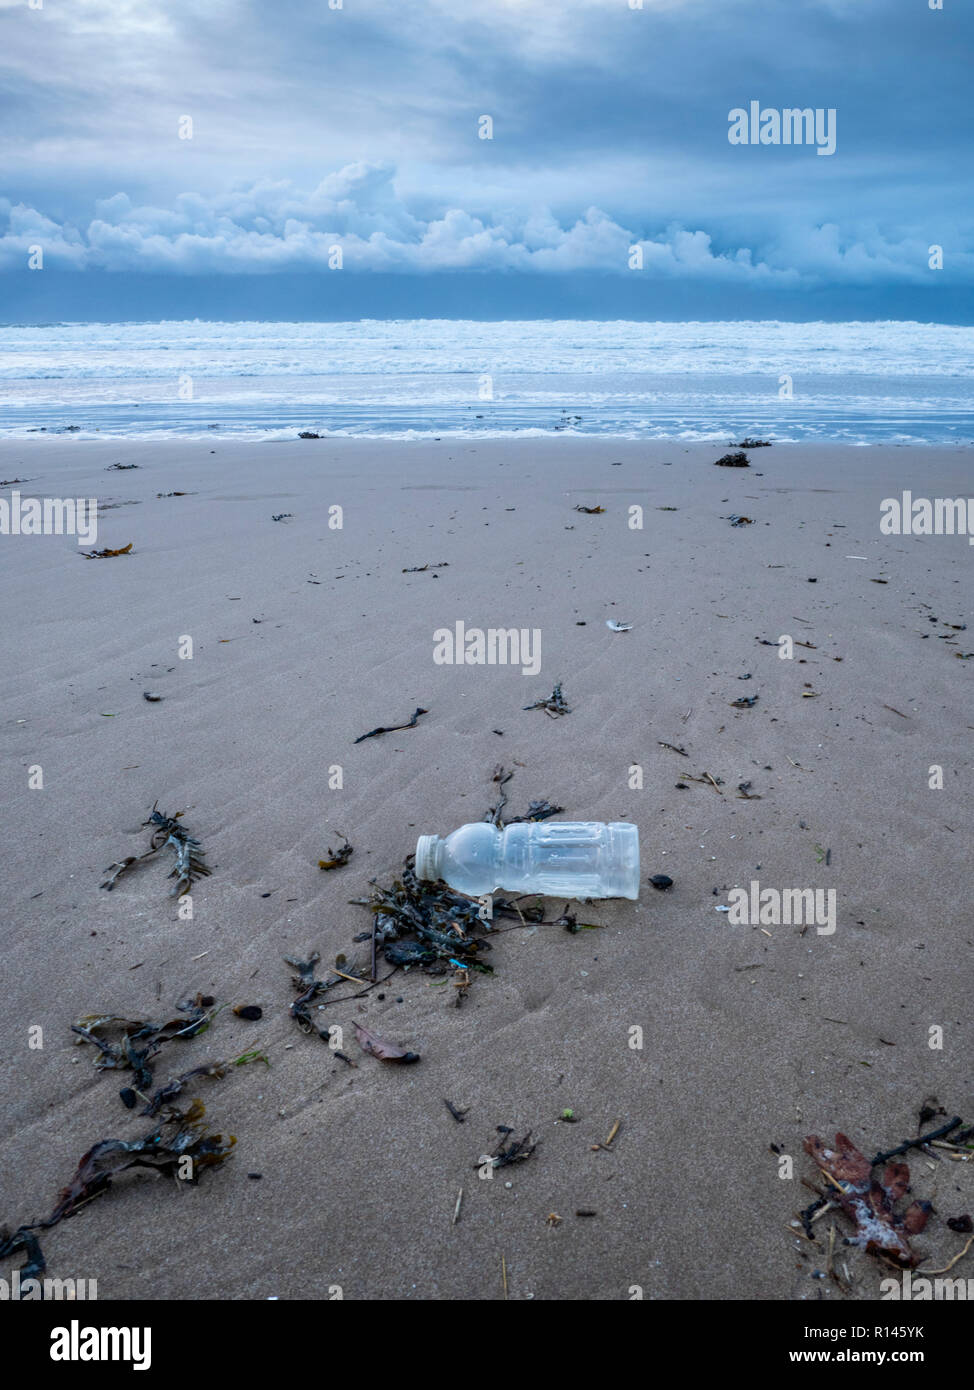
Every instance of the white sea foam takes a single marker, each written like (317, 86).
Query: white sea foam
(859, 382)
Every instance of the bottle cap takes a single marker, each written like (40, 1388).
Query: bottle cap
(426, 847)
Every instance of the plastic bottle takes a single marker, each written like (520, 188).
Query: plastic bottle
(561, 859)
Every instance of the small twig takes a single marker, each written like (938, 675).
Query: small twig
(355, 979)
(959, 1256)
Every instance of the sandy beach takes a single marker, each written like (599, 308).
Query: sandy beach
(305, 635)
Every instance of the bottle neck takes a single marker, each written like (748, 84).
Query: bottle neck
(429, 857)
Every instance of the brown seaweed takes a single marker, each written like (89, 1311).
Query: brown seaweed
(443, 920)
(337, 857)
(125, 1043)
(106, 554)
(590, 511)
(175, 1085)
(507, 1151)
(109, 1158)
(537, 810)
(393, 728)
(554, 705)
(166, 830)
(309, 988)
(738, 460)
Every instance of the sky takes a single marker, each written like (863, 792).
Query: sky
(177, 159)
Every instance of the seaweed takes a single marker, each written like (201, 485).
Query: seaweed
(421, 569)
(754, 443)
(507, 1151)
(166, 830)
(23, 1239)
(590, 511)
(309, 988)
(337, 857)
(407, 953)
(738, 460)
(745, 702)
(106, 554)
(127, 1043)
(175, 1085)
(109, 1158)
(537, 810)
(501, 776)
(554, 705)
(393, 728)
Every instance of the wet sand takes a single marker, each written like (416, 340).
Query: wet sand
(306, 636)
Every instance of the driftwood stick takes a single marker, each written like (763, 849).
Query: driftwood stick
(918, 1142)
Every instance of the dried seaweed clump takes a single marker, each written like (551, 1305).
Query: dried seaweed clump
(421, 923)
(508, 1151)
(337, 857)
(106, 554)
(124, 1043)
(183, 1152)
(309, 989)
(869, 1203)
(166, 830)
(554, 705)
(537, 810)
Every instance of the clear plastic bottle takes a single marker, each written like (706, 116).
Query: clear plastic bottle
(561, 859)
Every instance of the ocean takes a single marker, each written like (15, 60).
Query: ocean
(856, 383)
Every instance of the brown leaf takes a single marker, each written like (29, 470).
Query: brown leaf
(871, 1205)
(844, 1162)
(896, 1181)
(916, 1217)
(379, 1047)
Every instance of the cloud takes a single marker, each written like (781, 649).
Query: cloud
(271, 226)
